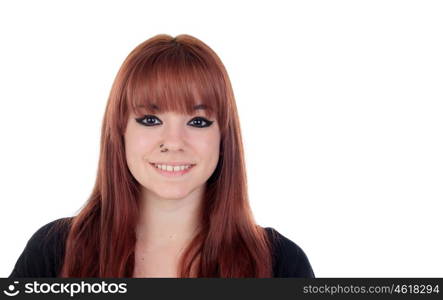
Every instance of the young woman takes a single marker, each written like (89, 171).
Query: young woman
(170, 197)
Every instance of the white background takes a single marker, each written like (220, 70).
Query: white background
(340, 104)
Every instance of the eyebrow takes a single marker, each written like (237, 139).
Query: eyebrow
(200, 106)
(156, 108)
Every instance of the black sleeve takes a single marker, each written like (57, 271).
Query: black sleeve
(43, 254)
(290, 259)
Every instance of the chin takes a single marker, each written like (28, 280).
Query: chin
(173, 195)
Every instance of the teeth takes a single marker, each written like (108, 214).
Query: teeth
(172, 168)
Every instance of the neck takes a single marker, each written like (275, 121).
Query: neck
(168, 221)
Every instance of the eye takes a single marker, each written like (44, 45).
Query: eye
(199, 120)
(147, 120)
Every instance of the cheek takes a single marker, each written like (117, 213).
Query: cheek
(136, 147)
(209, 149)
(141, 145)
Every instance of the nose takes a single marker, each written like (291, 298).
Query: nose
(173, 137)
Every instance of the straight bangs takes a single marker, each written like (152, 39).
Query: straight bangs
(177, 80)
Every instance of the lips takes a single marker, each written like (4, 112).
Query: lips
(173, 173)
(173, 163)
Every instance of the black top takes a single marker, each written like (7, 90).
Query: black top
(43, 254)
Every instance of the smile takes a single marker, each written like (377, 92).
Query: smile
(172, 171)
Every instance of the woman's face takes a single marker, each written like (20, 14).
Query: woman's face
(190, 139)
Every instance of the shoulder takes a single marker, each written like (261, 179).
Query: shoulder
(289, 259)
(43, 253)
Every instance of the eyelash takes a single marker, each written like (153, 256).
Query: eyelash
(141, 119)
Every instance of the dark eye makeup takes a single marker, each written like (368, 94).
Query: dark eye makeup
(149, 120)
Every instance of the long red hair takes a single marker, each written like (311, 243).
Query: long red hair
(174, 74)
